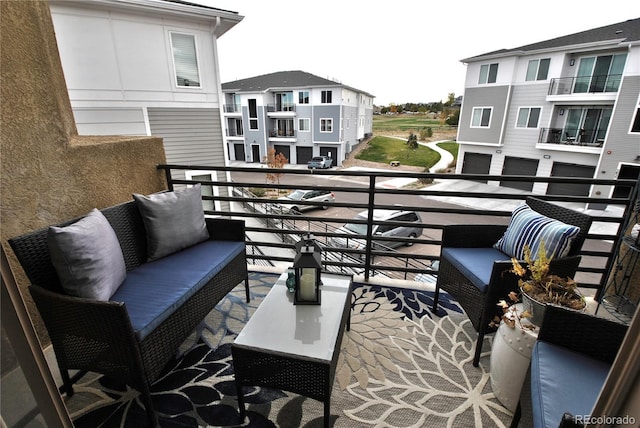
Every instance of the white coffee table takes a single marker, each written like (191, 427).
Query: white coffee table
(294, 347)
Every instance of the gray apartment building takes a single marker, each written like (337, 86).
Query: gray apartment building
(296, 113)
(565, 107)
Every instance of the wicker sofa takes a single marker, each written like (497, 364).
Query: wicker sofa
(134, 334)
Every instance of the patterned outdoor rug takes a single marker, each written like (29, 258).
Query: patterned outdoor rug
(399, 367)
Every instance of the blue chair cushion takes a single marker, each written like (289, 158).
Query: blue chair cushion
(154, 290)
(563, 381)
(475, 263)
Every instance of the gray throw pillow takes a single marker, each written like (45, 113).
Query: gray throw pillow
(174, 220)
(87, 257)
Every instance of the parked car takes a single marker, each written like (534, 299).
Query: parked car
(380, 230)
(320, 162)
(305, 195)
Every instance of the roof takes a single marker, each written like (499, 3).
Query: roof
(282, 80)
(621, 32)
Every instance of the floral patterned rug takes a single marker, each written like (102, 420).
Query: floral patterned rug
(400, 366)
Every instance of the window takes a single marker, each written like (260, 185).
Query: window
(635, 126)
(304, 125)
(206, 189)
(528, 117)
(481, 117)
(538, 69)
(253, 114)
(326, 125)
(600, 74)
(326, 97)
(303, 97)
(488, 73)
(185, 61)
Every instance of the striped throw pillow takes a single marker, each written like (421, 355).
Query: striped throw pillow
(528, 227)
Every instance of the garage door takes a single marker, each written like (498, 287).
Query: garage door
(303, 155)
(238, 151)
(570, 170)
(330, 151)
(519, 166)
(476, 163)
(285, 150)
(631, 172)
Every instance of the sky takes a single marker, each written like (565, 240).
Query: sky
(400, 50)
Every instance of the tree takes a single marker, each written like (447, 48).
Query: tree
(412, 141)
(276, 161)
(451, 98)
(453, 119)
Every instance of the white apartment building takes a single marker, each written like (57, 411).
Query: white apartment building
(565, 107)
(296, 113)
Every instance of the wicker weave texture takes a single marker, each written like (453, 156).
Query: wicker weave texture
(97, 336)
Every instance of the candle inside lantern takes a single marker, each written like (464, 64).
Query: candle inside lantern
(307, 285)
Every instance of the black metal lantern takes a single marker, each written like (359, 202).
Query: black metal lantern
(307, 240)
(307, 266)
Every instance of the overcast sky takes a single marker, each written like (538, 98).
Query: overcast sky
(397, 50)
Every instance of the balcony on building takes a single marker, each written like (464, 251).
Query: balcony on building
(232, 109)
(594, 88)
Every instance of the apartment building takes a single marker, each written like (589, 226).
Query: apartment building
(147, 67)
(565, 107)
(296, 113)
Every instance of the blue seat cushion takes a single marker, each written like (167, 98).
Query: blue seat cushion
(563, 381)
(154, 290)
(475, 263)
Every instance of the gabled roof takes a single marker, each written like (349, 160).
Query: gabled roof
(622, 32)
(283, 80)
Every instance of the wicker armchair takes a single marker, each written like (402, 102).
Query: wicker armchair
(480, 304)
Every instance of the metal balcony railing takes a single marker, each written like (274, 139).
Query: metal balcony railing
(272, 231)
(581, 137)
(234, 133)
(585, 84)
(283, 107)
(232, 108)
(282, 133)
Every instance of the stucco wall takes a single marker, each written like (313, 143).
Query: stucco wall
(48, 173)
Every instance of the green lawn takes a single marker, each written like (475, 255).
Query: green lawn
(386, 149)
(451, 147)
(403, 123)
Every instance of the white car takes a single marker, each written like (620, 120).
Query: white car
(320, 162)
(305, 195)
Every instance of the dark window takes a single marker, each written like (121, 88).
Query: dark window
(253, 114)
(636, 122)
(326, 97)
(303, 97)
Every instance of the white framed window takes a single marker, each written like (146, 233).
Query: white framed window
(538, 69)
(304, 125)
(326, 97)
(303, 97)
(481, 117)
(488, 73)
(326, 125)
(528, 117)
(635, 125)
(207, 190)
(185, 60)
